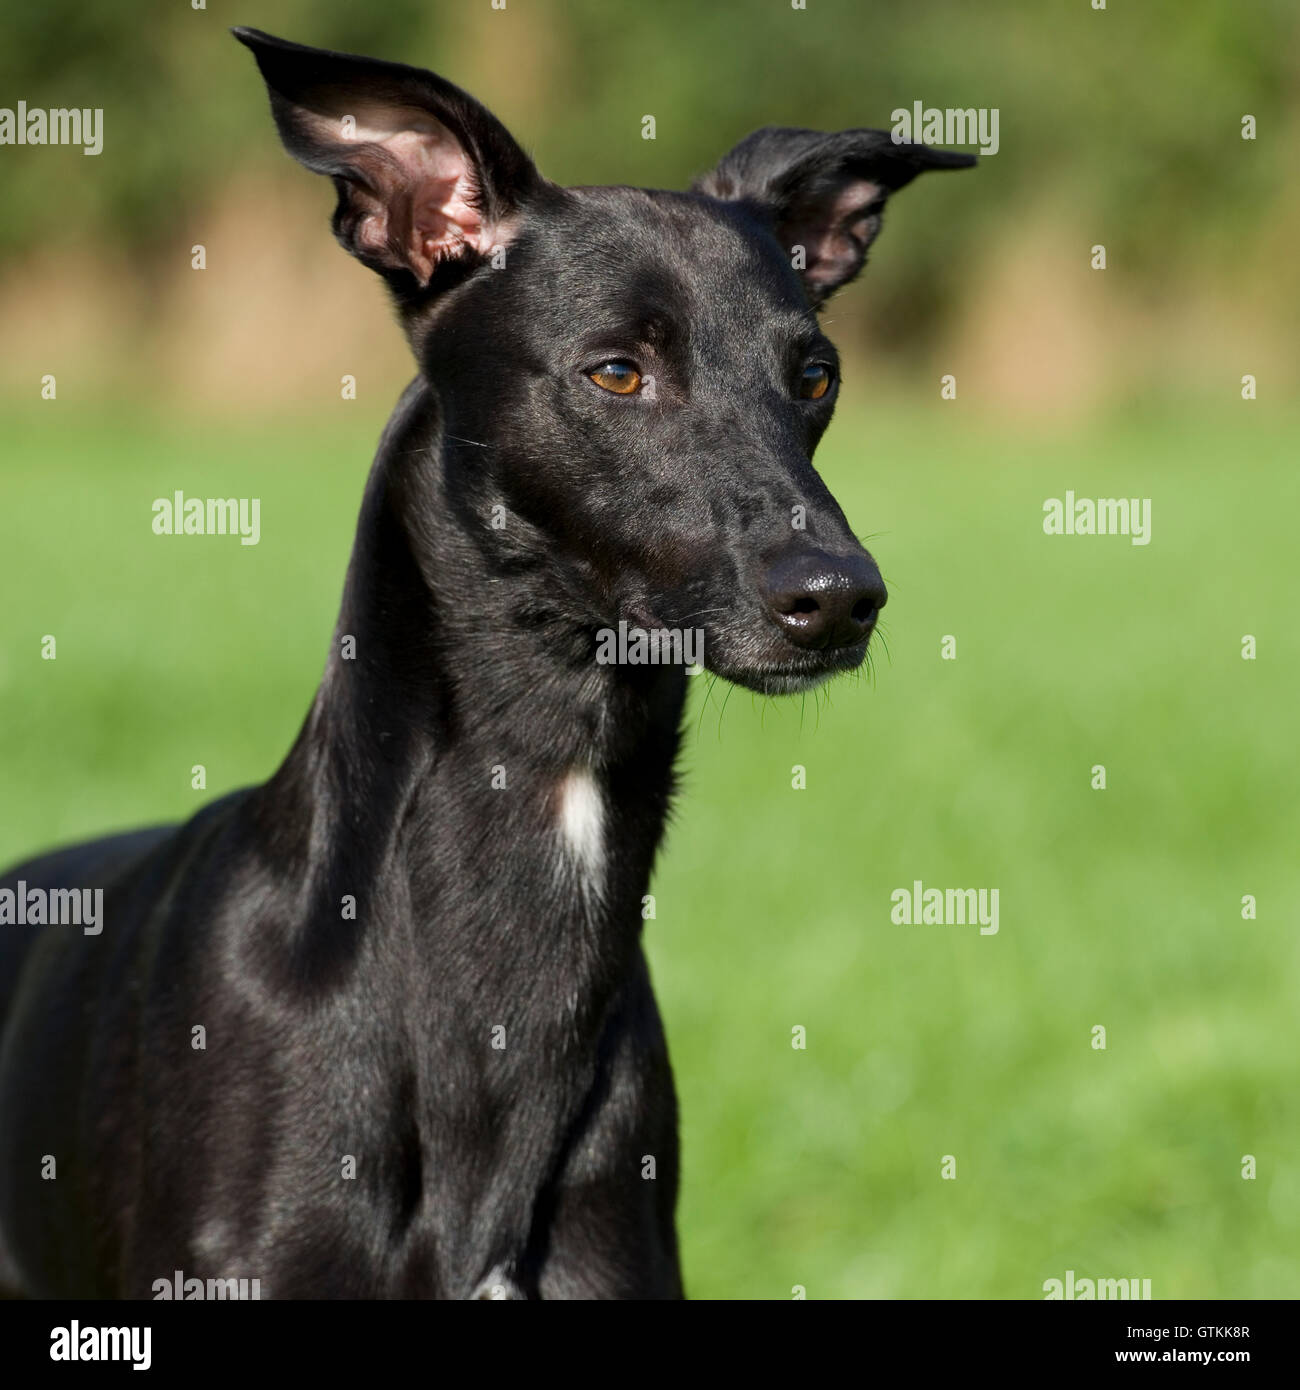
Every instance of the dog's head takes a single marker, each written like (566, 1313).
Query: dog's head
(631, 383)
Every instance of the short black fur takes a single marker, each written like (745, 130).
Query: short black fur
(515, 508)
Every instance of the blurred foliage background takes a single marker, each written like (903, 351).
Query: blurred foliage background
(1121, 127)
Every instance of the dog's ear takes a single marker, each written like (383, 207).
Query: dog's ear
(824, 193)
(429, 182)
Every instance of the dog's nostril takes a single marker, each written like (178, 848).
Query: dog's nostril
(864, 611)
(805, 604)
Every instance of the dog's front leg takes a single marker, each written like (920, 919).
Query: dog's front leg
(605, 1226)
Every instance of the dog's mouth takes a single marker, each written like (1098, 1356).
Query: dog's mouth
(793, 673)
(746, 653)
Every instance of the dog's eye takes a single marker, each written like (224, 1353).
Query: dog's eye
(815, 381)
(622, 378)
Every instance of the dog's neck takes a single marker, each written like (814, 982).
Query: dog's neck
(470, 768)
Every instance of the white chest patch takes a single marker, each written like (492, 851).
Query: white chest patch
(582, 827)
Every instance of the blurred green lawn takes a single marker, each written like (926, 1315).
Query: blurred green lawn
(1120, 907)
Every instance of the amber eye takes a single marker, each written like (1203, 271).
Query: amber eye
(815, 381)
(622, 378)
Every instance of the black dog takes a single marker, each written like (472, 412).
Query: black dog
(383, 1026)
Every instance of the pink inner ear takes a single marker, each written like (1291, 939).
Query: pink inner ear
(836, 232)
(422, 208)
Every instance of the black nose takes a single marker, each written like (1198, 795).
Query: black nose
(820, 600)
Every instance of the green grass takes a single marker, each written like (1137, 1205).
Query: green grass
(1120, 907)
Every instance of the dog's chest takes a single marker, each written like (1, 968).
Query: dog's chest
(580, 831)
